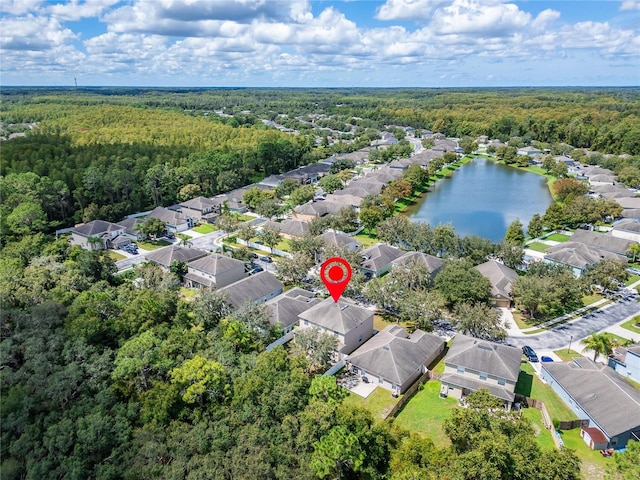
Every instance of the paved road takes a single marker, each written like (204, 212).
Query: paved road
(560, 336)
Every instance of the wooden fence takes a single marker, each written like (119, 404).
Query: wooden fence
(409, 393)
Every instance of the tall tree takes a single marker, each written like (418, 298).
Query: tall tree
(600, 343)
(514, 234)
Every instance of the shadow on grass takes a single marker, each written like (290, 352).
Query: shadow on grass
(525, 384)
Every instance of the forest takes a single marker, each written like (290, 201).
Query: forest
(112, 376)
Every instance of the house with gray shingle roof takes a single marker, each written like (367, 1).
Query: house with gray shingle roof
(345, 200)
(284, 310)
(201, 209)
(597, 393)
(626, 361)
(174, 221)
(167, 255)
(605, 242)
(472, 364)
(394, 359)
(501, 278)
(350, 323)
(131, 228)
(628, 228)
(433, 264)
(331, 238)
(579, 256)
(214, 271)
(98, 235)
(378, 259)
(258, 288)
(289, 228)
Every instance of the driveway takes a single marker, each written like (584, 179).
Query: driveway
(573, 332)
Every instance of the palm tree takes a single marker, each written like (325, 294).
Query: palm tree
(634, 250)
(185, 240)
(600, 343)
(95, 242)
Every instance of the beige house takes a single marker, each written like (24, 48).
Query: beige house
(201, 209)
(214, 271)
(472, 364)
(501, 278)
(98, 235)
(350, 323)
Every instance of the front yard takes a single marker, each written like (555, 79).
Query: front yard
(632, 325)
(204, 228)
(153, 244)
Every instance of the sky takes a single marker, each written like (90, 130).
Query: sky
(324, 43)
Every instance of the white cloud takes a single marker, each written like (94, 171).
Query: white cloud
(33, 33)
(77, 9)
(408, 9)
(471, 18)
(20, 7)
(630, 5)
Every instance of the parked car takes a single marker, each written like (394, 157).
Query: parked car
(266, 259)
(530, 353)
(544, 358)
(256, 270)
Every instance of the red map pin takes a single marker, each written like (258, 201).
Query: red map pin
(335, 273)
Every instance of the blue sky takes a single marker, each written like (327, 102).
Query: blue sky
(300, 43)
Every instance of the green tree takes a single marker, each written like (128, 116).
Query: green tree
(458, 282)
(199, 378)
(317, 347)
(370, 217)
(270, 236)
(608, 274)
(152, 227)
(535, 228)
(330, 183)
(600, 343)
(514, 234)
(337, 454)
(27, 218)
(479, 320)
(302, 195)
(627, 463)
(295, 269)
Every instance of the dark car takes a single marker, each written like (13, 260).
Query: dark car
(530, 353)
(266, 259)
(544, 358)
(256, 270)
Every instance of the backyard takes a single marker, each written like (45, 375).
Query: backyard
(379, 402)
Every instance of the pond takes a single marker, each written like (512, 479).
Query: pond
(482, 198)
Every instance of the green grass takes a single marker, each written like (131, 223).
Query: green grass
(543, 436)
(425, 412)
(204, 228)
(558, 237)
(617, 338)
(593, 464)
(567, 356)
(115, 256)
(379, 403)
(153, 244)
(531, 386)
(593, 298)
(538, 246)
(366, 239)
(632, 279)
(188, 293)
(633, 325)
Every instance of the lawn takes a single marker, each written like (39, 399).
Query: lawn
(204, 228)
(425, 412)
(366, 239)
(378, 403)
(115, 256)
(543, 436)
(538, 246)
(558, 237)
(567, 356)
(593, 464)
(632, 279)
(632, 325)
(153, 244)
(531, 386)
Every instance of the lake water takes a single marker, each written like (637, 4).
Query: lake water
(482, 198)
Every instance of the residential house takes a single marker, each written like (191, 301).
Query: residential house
(626, 361)
(331, 238)
(173, 220)
(214, 271)
(628, 228)
(351, 324)
(131, 226)
(445, 146)
(201, 209)
(256, 289)
(629, 202)
(378, 259)
(432, 264)
(289, 228)
(311, 210)
(353, 190)
(597, 393)
(472, 364)
(604, 242)
(284, 310)
(272, 181)
(501, 278)
(167, 255)
(99, 235)
(394, 359)
(345, 200)
(528, 151)
(579, 256)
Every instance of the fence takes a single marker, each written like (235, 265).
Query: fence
(335, 368)
(263, 248)
(409, 393)
(281, 341)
